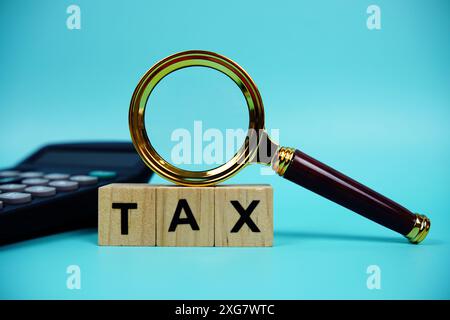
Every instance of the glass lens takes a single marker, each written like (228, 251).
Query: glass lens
(196, 118)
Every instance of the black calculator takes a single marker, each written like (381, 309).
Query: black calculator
(56, 188)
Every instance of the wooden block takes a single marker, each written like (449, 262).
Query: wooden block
(244, 215)
(149, 215)
(185, 216)
(127, 215)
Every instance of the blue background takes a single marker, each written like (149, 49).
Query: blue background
(373, 104)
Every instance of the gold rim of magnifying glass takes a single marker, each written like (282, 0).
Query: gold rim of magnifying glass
(137, 117)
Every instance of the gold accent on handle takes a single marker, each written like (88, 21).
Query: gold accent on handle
(282, 159)
(420, 229)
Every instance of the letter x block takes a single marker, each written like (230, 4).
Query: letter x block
(244, 215)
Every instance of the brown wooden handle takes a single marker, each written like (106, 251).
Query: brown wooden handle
(337, 187)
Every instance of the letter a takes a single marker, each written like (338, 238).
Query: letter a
(74, 20)
(374, 20)
(74, 278)
(190, 219)
(374, 278)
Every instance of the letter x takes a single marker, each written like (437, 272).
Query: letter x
(245, 216)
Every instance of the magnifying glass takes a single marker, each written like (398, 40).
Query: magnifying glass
(289, 163)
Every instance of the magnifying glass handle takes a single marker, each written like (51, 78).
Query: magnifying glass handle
(306, 171)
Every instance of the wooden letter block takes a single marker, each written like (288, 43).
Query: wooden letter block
(162, 215)
(244, 215)
(184, 216)
(126, 215)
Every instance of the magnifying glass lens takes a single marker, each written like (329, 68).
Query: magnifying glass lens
(197, 118)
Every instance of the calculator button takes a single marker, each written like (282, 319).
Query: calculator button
(84, 180)
(31, 174)
(41, 191)
(56, 176)
(35, 182)
(9, 173)
(9, 180)
(15, 197)
(64, 185)
(101, 174)
(12, 187)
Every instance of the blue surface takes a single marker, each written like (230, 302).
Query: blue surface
(373, 104)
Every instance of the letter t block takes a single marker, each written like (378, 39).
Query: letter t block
(126, 215)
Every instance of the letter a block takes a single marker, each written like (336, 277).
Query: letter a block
(244, 215)
(184, 216)
(126, 215)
